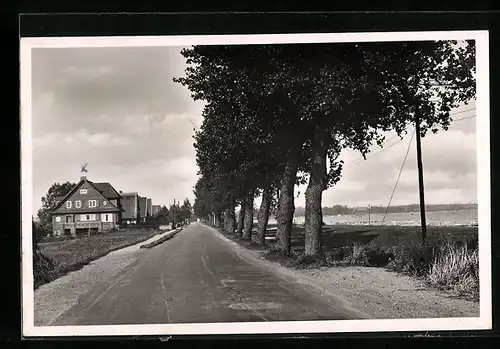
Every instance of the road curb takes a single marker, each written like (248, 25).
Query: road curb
(162, 239)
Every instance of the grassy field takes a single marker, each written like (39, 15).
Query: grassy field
(69, 254)
(447, 260)
(377, 236)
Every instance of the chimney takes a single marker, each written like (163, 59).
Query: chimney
(83, 178)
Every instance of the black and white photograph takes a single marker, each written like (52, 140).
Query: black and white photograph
(255, 184)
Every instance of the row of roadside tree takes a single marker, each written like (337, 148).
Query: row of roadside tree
(280, 115)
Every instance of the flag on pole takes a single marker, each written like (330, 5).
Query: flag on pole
(84, 167)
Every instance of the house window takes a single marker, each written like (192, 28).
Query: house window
(87, 217)
(92, 203)
(68, 204)
(107, 217)
(83, 191)
(104, 203)
(78, 204)
(58, 219)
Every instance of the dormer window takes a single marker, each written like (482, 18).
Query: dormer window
(68, 204)
(83, 191)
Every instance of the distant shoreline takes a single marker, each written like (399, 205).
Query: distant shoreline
(373, 211)
(344, 210)
(299, 211)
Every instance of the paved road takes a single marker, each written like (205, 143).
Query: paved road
(199, 277)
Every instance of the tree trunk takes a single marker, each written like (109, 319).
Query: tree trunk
(248, 220)
(225, 221)
(314, 192)
(241, 217)
(231, 217)
(286, 208)
(218, 222)
(263, 216)
(231, 224)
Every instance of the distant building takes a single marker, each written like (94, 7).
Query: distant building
(156, 209)
(143, 207)
(88, 207)
(130, 204)
(149, 207)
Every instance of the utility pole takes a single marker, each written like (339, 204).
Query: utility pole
(369, 214)
(420, 177)
(173, 207)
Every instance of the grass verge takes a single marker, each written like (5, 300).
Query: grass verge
(448, 260)
(67, 255)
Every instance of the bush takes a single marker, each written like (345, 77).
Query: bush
(39, 232)
(42, 265)
(357, 255)
(456, 269)
(415, 257)
(304, 261)
(378, 257)
(337, 254)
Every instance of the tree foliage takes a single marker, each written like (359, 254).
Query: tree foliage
(179, 213)
(55, 191)
(273, 111)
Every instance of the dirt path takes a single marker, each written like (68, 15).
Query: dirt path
(388, 295)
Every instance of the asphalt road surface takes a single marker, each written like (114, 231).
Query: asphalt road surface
(198, 277)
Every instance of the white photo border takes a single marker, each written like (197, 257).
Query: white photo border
(483, 322)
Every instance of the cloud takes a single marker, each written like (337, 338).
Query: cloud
(83, 138)
(89, 82)
(70, 73)
(44, 141)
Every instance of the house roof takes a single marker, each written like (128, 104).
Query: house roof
(106, 190)
(129, 194)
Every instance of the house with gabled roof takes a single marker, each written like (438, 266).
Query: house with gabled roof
(88, 208)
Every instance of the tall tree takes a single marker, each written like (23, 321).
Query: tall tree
(365, 89)
(56, 190)
(186, 209)
(163, 215)
(242, 95)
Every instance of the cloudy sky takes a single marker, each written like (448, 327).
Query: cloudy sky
(119, 110)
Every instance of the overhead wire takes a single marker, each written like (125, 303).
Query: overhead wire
(405, 158)
(399, 175)
(361, 159)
